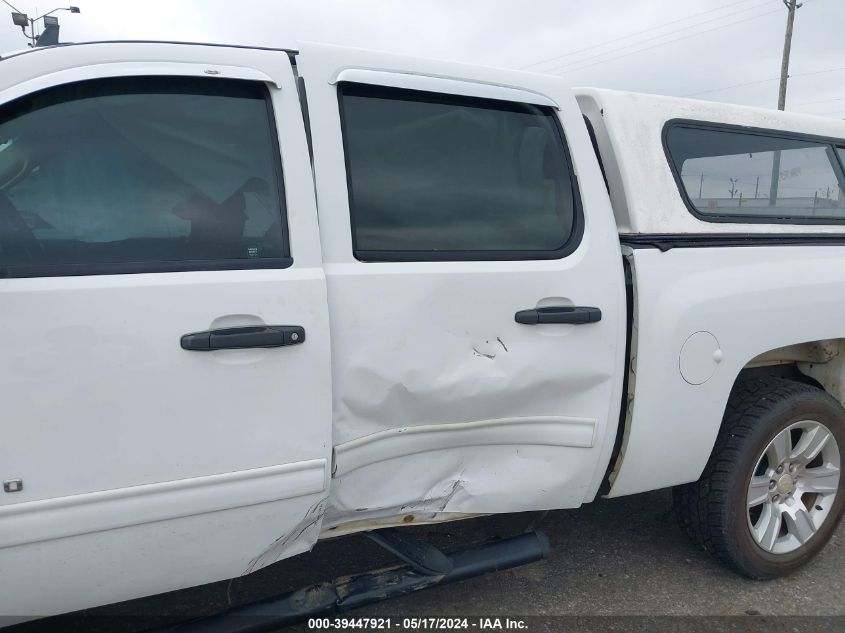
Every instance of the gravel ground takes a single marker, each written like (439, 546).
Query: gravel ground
(610, 560)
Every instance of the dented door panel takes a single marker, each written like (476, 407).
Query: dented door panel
(444, 405)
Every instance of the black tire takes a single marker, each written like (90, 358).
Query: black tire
(713, 509)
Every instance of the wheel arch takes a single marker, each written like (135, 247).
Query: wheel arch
(818, 362)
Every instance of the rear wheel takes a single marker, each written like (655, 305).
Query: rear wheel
(771, 494)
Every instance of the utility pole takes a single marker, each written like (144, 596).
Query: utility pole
(791, 6)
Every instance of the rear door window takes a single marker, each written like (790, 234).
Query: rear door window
(434, 176)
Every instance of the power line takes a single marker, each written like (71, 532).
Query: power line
(567, 68)
(731, 87)
(761, 81)
(818, 72)
(806, 103)
(634, 34)
(656, 37)
(8, 4)
(721, 26)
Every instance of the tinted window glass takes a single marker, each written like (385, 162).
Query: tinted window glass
(728, 172)
(841, 152)
(443, 176)
(133, 170)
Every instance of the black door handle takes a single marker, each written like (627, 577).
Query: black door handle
(559, 314)
(244, 337)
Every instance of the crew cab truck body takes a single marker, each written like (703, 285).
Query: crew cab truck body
(253, 298)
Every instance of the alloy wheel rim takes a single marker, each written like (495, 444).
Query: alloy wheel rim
(793, 487)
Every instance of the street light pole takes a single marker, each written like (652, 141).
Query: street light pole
(22, 20)
(31, 32)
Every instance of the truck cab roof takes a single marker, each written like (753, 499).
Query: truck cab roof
(24, 51)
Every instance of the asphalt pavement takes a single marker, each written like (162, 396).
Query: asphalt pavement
(620, 564)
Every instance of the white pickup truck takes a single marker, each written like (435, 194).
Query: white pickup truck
(253, 298)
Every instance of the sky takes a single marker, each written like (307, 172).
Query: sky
(723, 50)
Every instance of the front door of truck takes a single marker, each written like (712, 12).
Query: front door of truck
(475, 285)
(165, 343)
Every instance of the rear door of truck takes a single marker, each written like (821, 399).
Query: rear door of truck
(166, 390)
(475, 286)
